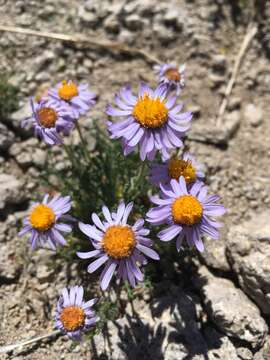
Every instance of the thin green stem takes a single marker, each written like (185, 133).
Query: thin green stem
(84, 143)
(69, 153)
(138, 177)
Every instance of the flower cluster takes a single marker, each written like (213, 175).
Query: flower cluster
(55, 113)
(153, 122)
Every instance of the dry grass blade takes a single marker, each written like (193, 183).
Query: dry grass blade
(8, 348)
(113, 46)
(251, 32)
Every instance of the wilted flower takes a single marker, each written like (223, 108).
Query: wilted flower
(78, 97)
(188, 213)
(171, 75)
(49, 121)
(45, 222)
(152, 121)
(187, 167)
(121, 246)
(73, 315)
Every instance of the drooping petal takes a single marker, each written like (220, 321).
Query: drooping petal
(148, 251)
(97, 263)
(107, 275)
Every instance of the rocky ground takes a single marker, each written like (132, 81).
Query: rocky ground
(220, 307)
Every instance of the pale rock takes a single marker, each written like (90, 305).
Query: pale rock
(18, 116)
(100, 9)
(169, 327)
(4, 228)
(163, 33)
(248, 251)
(111, 24)
(134, 22)
(6, 137)
(253, 115)
(231, 310)
(264, 353)
(28, 153)
(216, 80)
(9, 266)
(215, 252)
(213, 134)
(44, 59)
(11, 190)
(88, 18)
(220, 346)
(219, 63)
(234, 103)
(17, 79)
(126, 36)
(244, 353)
(44, 274)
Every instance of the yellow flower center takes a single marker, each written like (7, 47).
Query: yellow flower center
(47, 117)
(151, 113)
(118, 241)
(72, 318)
(187, 210)
(68, 90)
(178, 167)
(42, 217)
(173, 75)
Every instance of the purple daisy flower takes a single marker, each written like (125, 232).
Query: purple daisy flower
(121, 246)
(152, 121)
(171, 75)
(78, 97)
(49, 121)
(45, 222)
(189, 213)
(73, 315)
(187, 167)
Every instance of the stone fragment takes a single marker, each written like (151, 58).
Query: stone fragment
(28, 153)
(216, 135)
(6, 137)
(216, 80)
(215, 252)
(219, 63)
(264, 353)
(249, 254)
(253, 115)
(169, 327)
(11, 190)
(134, 22)
(111, 24)
(3, 227)
(9, 266)
(244, 353)
(18, 116)
(231, 310)
(44, 274)
(220, 346)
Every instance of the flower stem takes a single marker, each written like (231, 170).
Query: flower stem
(137, 180)
(69, 153)
(84, 143)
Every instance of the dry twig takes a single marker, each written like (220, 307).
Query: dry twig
(113, 46)
(251, 32)
(8, 348)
